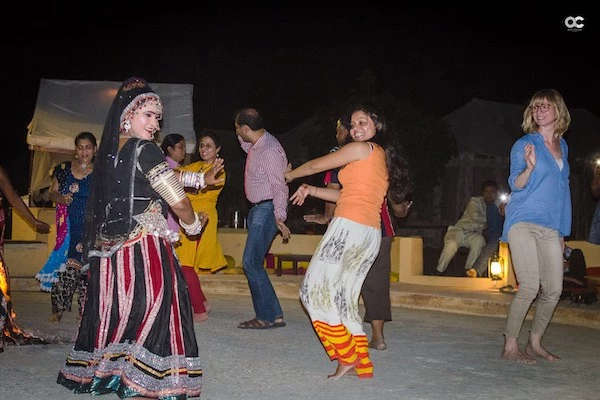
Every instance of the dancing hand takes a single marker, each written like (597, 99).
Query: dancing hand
(530, 156)
(203, 217)
(317, 219)
(301, 194)
(41, 226)
(210, 177)
(66, 198)
(401, 210)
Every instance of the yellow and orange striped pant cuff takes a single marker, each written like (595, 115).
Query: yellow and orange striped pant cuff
(341, 345)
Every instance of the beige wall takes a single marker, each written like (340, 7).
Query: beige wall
(591, 252)
(406, 253)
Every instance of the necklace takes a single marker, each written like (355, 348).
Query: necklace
(82, 168)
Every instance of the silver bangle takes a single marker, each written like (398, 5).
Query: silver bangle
(194, 228)
(192, 179)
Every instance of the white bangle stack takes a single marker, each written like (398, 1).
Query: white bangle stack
(194, 228)
(192, 179)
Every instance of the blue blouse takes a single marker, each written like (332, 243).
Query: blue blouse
(80, 189)
(546, 197)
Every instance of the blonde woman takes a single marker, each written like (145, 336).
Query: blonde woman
(538, 217)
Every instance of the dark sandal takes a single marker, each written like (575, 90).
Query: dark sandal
(255, 324)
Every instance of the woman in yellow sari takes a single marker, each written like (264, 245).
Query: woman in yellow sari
(204, 252)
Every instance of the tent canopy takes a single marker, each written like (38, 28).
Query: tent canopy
(65, 108)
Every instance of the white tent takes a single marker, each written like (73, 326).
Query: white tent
(65, 108)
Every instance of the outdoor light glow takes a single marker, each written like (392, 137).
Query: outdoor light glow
(503, 197)
(495, 268)
(598, 162)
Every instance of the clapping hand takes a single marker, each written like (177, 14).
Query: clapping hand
(530, 156)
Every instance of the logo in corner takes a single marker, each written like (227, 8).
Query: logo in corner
(574, 24)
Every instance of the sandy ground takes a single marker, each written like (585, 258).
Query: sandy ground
(431, 355)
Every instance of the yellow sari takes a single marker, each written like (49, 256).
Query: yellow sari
(204, 252)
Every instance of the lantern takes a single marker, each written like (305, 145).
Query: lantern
(496, 267)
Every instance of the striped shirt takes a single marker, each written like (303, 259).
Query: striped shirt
(264, 173)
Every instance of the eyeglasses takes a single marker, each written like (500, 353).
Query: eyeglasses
(541, 107)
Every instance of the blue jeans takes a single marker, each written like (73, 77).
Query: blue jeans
(261, 231)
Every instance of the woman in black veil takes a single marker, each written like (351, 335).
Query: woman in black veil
(136, 336)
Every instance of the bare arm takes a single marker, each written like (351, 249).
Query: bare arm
(328, 211)
(350, 152)
(320, 193)
(184, 211)
(330, 206)
(15, 201)
(212, 177)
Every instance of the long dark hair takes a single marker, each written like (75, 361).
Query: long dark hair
(400, 182)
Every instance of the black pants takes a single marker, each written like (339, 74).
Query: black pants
(69, 281)
(376, 287)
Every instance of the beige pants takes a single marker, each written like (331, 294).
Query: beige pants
(455, 238)
(536, 254)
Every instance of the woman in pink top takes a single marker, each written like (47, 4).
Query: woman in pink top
(173, 145)
(334, 278)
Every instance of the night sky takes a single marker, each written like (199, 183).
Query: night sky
(290, 63)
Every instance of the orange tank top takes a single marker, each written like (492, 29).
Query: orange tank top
(364, 186)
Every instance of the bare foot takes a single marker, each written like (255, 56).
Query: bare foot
(378, 344)
(340, 371)
(516, 355)
(539, 351)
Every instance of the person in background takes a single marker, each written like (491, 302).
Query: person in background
(494, 217)
(204, 253)
(267, 191)
(538, 217)
(70, 190)
(173, 146)
(469, 229)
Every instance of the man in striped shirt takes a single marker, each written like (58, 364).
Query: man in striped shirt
(266, 190)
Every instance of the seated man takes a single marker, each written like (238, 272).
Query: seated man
(469, 230)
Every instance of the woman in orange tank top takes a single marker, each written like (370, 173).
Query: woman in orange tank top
(336, 272)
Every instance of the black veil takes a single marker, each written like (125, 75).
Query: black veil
(102, 232)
